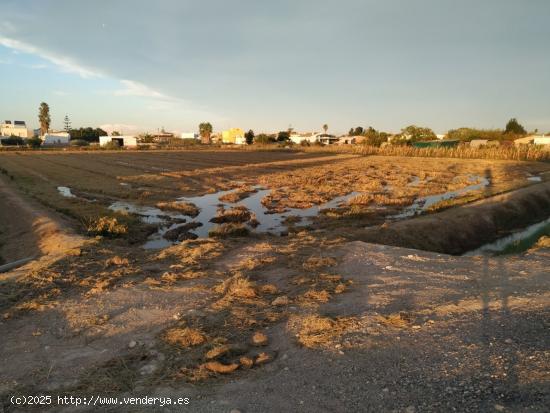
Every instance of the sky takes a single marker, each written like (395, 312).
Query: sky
(136, 65)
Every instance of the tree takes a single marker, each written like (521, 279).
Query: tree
(283, 136)
(415, 133)
(514, 127)
(67, 123)
(249, 136)
(44, 118)
(262, 138)
(87, 134)
(115, 133)
(325, 128)
(205, 130)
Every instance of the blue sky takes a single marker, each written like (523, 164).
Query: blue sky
(140, 65)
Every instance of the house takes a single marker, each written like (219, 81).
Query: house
(327, 139)
(440, 136)
(233, 135)
(541, 140)
(351, 140)
(310, 137)
(190, 135)
(16, 128)
(478, 143)
(56, 138)
(127, 141)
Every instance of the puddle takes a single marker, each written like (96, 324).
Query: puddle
(209, 204)
(422, 204)
(515, 243)
(65, 191)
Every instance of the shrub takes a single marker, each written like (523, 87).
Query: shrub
(112, 145)
(33, 142)
(79, 142)
(106, 226)
(12, 141)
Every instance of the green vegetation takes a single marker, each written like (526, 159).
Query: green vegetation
(514, 127)
(264, 139)
(33, 142)
(249, 136)
(205, 130)
(87, 134)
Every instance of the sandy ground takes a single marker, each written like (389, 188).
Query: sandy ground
(350, 326)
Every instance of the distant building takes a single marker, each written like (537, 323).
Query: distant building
(327, 139)
(56, 138)
(127, 141)
(440, 136)
(310, 137)
(233, 135)
(190, 135)
(16, 128)
(541, 140)
(527, 140)
(351, 140)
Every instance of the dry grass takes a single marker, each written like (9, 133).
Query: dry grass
(237, 286)
(185, 208)
(229, 230)
(184, 337)
(106, 226)
(543, 242)
(238, 214)
(518, 153)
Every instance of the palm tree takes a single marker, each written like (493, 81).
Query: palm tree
(44, 118)
(205, 130)
(325, 128)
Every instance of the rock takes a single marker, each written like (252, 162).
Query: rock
(282, 300)
(235, 411)
(132, 344)
(218, 367)
(259, 339)
(340, 288)
(508, 341)
(246, 362)
(410, 409)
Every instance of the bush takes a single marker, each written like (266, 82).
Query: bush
(112, 145)
(262, 138)
(33, 142)
(12, 141)
(106, 226)
(79, 142)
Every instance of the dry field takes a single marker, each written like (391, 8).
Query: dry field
(385, 186)
(254, 322)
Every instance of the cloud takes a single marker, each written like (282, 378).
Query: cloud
(120, 127)
(66, 64)
(132, 88)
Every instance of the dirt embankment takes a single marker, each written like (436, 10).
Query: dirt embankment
(27, 230)
(462, 229)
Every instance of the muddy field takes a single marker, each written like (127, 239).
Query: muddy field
(270, 303)
(161, 198)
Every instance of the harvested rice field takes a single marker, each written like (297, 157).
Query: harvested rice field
(245, 280)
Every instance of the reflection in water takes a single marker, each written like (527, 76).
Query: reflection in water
(208, 205)
(514, 243)
(422, 204)
(65, 191)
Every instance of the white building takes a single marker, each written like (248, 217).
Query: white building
(541, 140)
(190, 135)
(310, 137)
(128, 141)
(56, 138)
(15, 128)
